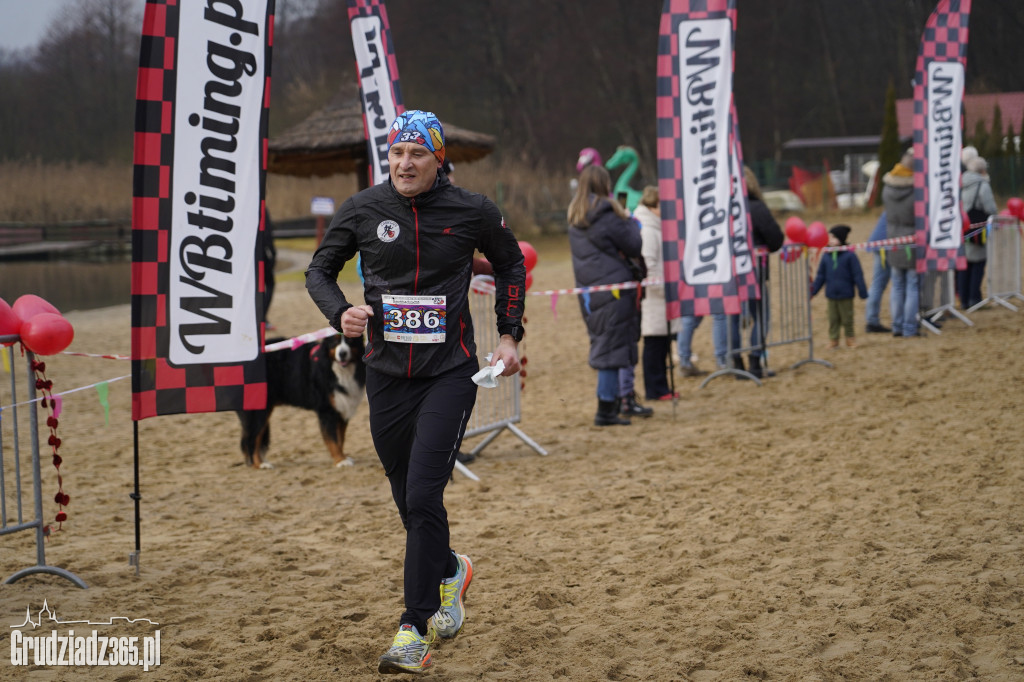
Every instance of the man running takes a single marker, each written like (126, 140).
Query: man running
(416, 234)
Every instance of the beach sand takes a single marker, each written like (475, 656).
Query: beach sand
(858, 522)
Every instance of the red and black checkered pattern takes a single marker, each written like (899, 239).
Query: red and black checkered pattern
(681, 298)
(376, 8)
(746, 283)
(944, 39)
(157, 386)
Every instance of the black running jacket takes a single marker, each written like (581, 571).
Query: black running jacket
(423, 246)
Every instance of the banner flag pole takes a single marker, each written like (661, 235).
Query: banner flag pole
(199, 211)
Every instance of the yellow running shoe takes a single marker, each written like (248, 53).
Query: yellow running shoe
(450, 617)
(409, 652)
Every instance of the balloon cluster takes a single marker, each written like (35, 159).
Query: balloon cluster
(43, 330)
(529, 260)
(1015, 207)
(814, 235)
(799, 235)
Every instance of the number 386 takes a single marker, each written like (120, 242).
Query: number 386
(414, 319)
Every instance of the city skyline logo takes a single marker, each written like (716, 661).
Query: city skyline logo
(57, 643)
(51, 615)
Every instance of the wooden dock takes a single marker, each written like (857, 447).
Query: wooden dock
(34, 241)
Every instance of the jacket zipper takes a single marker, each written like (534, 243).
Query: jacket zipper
(416, 276)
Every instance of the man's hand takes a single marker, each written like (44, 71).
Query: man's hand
(508, 352)
(354, 320)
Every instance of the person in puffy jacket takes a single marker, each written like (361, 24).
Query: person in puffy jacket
(841, 275)
(898, 199)
(602, 237)
(978, 202)
(767, 236)
(416, 235)
(655, 326)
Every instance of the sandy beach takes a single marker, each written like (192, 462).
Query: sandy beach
(858, 522)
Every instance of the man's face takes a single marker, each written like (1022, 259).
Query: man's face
(413, 168)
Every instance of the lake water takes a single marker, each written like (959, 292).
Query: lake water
(69, 285)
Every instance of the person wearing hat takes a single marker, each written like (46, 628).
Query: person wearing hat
(840, 273)
(898, 199)
(978, 202)
(416, 234)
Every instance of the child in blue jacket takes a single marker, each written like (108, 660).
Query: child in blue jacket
(841, 275)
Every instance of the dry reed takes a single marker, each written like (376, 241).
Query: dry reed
(532, 200)
(37, 192)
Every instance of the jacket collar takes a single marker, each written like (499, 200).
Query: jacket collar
(422, 198)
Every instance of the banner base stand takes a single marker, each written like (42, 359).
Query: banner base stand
(935, 314)
(1001, 300)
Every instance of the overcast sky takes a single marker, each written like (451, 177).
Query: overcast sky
(24, 22)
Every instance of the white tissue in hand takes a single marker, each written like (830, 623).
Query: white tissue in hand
(488, 376)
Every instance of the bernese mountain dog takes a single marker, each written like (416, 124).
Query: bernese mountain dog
(326, 376)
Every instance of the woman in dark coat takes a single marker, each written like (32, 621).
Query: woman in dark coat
(769, 236)
(601, 237)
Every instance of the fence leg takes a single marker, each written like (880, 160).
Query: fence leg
(37, 489)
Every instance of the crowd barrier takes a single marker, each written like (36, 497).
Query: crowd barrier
(11, 475)
(497, 409)
(1003, 266)
(785, 304)
(784, 310)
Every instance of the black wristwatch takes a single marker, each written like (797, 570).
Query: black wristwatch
(516, 331)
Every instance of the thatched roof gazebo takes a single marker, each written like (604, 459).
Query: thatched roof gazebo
(332, 140)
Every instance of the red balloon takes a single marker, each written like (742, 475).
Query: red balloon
(796, 230)
(1016, 206)
(817, 235)
(529, 280)
(790, 251)
(10, 323)
(30, 305)
(47, 334)
(529, 255)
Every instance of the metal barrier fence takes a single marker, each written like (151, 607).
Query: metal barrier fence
(10, 466)
(784, 311)
(499, 408)
(1002, 266)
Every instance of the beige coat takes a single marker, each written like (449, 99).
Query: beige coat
(652, 308)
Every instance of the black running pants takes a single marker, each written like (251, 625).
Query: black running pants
(417, 427)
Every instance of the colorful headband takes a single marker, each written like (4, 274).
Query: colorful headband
(421, 127)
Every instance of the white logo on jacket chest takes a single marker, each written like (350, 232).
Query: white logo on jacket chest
(387, 231)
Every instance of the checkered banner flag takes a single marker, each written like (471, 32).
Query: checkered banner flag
(938, 100)
(198, 207)
(378, 80)
(695, 153)
(742, 228)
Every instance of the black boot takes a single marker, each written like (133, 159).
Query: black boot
(757, 370)
(608, 415)
(631, 408)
